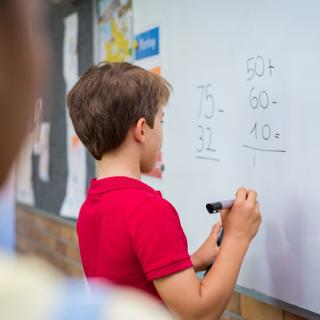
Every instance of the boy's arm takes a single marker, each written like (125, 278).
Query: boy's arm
(191, 298)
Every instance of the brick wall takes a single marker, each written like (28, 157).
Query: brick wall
(243, 307)
(49, 237)
(54, 239)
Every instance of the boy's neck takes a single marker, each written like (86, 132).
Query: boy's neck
(120, 162)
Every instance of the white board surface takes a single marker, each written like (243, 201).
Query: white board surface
(215, 53)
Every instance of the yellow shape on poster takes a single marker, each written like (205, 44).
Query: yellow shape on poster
(117, 50)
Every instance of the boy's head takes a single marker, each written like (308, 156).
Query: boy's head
(112, 99)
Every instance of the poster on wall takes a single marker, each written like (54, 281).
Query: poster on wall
(36, 144)
(115, 40)
(147, 44)
(76, 154)
(24, 173)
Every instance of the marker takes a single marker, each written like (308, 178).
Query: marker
(218, 206)
(219, 240)
(214, 208)
(220, 237)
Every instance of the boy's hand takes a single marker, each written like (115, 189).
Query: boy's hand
(191, 298)
(206, 254)
(242, 221)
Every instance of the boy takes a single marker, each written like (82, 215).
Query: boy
(128, 234)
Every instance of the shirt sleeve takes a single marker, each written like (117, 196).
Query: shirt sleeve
(158, 239)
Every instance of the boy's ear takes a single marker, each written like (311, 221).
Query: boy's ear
(139, 130)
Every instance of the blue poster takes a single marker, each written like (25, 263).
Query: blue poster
(147, 44)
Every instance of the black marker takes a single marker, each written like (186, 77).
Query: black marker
(219, 240)
(218, 206)
(214, 208)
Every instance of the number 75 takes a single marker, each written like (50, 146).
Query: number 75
(206, 101)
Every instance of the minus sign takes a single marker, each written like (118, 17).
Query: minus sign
(275, 102)
(221, 110)
(208, 158)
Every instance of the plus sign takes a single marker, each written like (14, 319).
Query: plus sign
(270, 67)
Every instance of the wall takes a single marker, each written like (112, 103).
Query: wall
(49, 237)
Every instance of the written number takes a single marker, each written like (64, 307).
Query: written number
(205, 140)
(265, 131)
(207, 103)
(255, 100)
(256, 66)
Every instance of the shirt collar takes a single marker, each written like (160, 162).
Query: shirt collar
(98, 186)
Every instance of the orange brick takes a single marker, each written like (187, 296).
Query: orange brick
(73, 253)
(53, 228)
(75, 271)
(68, 234)
(60, 247)
(47, 241)
(252, 309)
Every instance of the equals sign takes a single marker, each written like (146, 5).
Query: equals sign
(277, 135)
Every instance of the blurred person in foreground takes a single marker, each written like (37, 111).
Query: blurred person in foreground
(30, 289)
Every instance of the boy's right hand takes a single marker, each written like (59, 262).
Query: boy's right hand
(191, 298)
(242, 221)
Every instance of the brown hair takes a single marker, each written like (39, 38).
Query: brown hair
(109, 99)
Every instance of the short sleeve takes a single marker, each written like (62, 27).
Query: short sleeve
(158, 239)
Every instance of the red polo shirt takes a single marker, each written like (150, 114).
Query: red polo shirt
(129, 235)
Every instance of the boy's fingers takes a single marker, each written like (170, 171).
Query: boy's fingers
(223, 214)
(258, 210)
(215, 229)
(252, 196)
(241, 194)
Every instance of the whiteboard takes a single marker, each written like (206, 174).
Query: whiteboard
(245, 112)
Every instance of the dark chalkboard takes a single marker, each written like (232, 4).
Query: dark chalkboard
(49, 196)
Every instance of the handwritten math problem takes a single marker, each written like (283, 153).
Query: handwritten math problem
(262, 135)
(207, 110)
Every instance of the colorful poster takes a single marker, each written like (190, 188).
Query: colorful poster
(115, 30)
(147, 44)
(76, 154)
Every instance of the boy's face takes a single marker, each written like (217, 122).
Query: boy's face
(153, 143)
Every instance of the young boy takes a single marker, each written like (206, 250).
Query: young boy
(128, 234)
